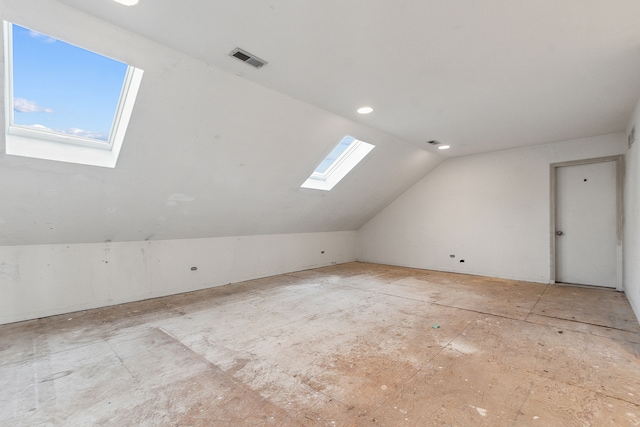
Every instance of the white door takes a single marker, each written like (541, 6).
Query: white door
(586, 228)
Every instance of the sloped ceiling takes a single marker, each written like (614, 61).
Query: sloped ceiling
(217, 148)
(480, 75)
(208, 153)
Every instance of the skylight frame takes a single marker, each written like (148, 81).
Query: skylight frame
(42, 144)
(341, 166)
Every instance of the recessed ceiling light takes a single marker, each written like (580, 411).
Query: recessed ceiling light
(444, 147)
(364, 110)
(127, 2)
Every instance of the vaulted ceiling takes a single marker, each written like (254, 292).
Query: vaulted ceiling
(218, 148)
(478, 75)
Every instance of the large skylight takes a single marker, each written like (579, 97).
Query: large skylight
(340, 161)
(63, 102)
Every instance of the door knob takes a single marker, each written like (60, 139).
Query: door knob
(559, 233)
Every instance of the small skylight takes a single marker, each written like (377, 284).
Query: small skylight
(344, 157)
(63, 102)
(127, 2)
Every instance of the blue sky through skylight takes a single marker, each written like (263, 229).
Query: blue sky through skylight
(63, 88)
(334, 154)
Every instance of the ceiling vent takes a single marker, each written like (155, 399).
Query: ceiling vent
(433, 142)
(250, 59)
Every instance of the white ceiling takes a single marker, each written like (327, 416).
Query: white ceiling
(217, 148)
(207, 154)
(480, 75)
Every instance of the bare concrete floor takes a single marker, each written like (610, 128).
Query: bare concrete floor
(349, 345)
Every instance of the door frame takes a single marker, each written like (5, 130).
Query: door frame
(619, 159)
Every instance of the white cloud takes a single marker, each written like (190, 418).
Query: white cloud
(45, 38)
(25, 106)
(41, 127)
(100, 136)
(87, 134)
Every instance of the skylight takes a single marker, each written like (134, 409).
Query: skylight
(63, 102)
(340, 161)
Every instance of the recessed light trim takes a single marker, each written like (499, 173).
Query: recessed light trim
(127, 2)
(365, 110)
(444, 147)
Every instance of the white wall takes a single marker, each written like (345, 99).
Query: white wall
(491, 210)
(632, 219)
(43, 280)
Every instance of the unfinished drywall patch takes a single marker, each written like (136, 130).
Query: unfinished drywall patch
(173, 199)
(492, 210)
(9, 271)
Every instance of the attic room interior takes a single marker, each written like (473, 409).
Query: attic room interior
(211, 231)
